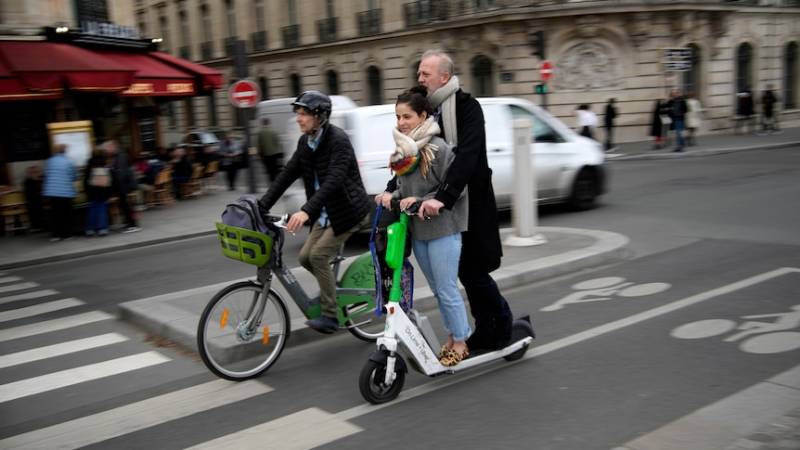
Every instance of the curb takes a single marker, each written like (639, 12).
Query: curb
(180, 326)
(704, 152)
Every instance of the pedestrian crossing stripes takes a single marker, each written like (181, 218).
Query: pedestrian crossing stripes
(291, 432)
(4, 280)
(27, 296)
(137, 416)
(53, 325)
(63, 348)
(18, 287)
(42, 308)
(64, 378)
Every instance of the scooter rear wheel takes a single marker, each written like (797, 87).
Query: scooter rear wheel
(520, 329)
(372, 386)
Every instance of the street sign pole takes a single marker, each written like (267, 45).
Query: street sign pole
(242, 71)
(545, 72)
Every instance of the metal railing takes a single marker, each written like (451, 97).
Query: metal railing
(258, 41)
(369, 22)
(327, 28)
(185, 52)
(229, 44)
(206, 50)
(291, 36)
(425, 12)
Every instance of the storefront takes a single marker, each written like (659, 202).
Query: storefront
(119, 84)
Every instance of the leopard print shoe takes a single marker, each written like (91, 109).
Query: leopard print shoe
(451, 357)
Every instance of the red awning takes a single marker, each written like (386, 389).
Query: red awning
(153, 78)
(39, 69)
(50, 67)
(210, 78)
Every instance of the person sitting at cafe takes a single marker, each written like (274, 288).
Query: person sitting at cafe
(181, 170)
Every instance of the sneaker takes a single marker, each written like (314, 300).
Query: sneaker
(131, 229)
(102, 233)
(89, 233)
(323, 324)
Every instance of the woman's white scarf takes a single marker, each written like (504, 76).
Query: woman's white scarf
(444, 96)
(416, 144)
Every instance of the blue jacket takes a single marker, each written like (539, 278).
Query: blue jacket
(59, 177)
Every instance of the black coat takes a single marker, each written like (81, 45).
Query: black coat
(470, 168)
(341, 191)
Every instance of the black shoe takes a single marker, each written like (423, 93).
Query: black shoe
(323, 324)
(478, 342)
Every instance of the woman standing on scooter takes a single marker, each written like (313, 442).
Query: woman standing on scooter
(420, 161)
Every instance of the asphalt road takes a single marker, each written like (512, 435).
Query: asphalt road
(619, 352)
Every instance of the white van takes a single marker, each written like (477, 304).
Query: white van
(569, 167)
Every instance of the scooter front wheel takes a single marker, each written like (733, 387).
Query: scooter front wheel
(520, 329)
(372, 384)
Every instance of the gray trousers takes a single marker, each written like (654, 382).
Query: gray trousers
(316, 255)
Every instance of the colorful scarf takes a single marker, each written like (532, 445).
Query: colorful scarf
(414, 149)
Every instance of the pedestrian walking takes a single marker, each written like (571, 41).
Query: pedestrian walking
(59, 188)
(769, 99)
(587, 120)
(97, 186)
(230, 150)
(269, 150)
(745, 109)
(610, 116)
(694, 118)
(677, 112)
(460, 118)
(123, 181)
(659, 124)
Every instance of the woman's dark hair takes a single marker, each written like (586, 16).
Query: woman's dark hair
(417, 99)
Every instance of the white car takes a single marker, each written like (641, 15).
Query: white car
(569, 167)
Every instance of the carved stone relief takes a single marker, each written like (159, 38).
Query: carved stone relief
(588, 65)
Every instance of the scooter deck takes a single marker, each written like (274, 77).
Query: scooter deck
(485, 357)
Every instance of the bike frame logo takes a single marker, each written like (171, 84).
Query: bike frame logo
(760, 337)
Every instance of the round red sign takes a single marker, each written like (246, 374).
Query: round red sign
(244, 94)
(546, 70)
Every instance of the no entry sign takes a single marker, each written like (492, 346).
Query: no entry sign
(244, 94)
(546, 70)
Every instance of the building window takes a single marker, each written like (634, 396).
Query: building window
(291, 9)
(264, 86)
(212, 109)
(259, 11)
(744, 67)
(184, 38)
(141, 23)
(482, 79)
(329, 9)
(691, 78)
(188, 106)
(374, 83)
(230, 15)
(414, 74)
(332, 79)
(163, 25)
(790, 77)
(295, 84)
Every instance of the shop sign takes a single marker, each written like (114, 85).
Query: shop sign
(139, 89)
(109, 29)
(180, 88)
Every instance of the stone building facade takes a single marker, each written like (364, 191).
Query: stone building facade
(369, 49)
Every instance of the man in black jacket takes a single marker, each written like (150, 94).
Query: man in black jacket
(461, 119)
(337, 203)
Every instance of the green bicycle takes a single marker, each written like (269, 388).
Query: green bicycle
(244, 328)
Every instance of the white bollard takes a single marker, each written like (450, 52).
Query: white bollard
(524, 200)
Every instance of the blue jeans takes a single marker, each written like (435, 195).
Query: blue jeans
(438, 259)
(679, 126)
(97, 218)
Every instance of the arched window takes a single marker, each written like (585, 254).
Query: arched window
(374, 83)
(295, 84)
(744, 67)
(264, 86)
(230, 16)
(332, 80)
(691, 78)
(790, 76)
(482, 77)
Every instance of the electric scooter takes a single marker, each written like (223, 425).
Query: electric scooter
(409, 333)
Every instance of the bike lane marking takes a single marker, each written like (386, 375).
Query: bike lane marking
(137, 416)
(559, 344)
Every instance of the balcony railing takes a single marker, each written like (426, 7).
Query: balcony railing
(326, 29)
(424, 12)
(291, 36)
(369, 22)
(258, 41)
(206, 50)
(185, 52)
(229, 44)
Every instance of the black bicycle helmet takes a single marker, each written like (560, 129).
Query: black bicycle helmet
(315, 102)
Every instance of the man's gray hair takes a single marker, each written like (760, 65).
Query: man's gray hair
(445, 61)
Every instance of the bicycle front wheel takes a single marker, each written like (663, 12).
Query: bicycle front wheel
(242, 331)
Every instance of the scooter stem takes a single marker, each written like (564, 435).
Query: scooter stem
(395, 252)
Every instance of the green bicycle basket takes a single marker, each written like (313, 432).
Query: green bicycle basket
(245, 245)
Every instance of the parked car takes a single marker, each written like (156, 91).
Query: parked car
(569, 168)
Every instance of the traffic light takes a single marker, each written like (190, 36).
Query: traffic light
(537, 42)
(540, 89)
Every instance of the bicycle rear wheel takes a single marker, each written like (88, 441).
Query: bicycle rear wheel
(242, 332)
(364, 325)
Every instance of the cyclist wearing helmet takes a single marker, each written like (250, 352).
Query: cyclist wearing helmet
(336, 201)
